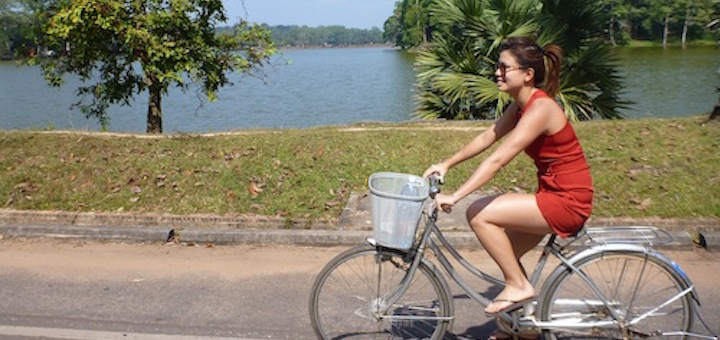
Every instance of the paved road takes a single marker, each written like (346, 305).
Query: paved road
(106, 290)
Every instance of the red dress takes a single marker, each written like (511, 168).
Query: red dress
(565, 188)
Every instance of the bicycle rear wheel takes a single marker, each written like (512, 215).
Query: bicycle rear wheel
(349, 292)
(634, 283)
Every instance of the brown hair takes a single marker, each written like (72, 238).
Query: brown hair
(530, 55)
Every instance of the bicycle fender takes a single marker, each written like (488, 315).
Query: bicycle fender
(630, 248)
(441, 278)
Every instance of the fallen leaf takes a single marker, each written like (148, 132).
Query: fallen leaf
(22, 186)
(645, 204)
(10, 200)
(641, 204)
(255, 189)
(136, 189)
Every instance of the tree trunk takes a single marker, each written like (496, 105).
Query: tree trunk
(154, 116)
(611, 30)
(666, 30)
(685, 27)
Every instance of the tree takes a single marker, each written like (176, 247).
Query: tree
(16, 23)
(662, 11)
(618, 11)
(456, 76)
(410, 24)
(284, 35)
(699, 14)
(130, 46)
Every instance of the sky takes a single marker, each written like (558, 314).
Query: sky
(363, 14)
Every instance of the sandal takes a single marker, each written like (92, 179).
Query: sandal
(514, 305)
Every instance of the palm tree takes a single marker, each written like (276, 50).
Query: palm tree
(456, 75)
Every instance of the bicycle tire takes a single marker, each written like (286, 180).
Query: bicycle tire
(634, 282)
(350, 287)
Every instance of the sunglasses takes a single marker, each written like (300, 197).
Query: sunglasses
(505, 68)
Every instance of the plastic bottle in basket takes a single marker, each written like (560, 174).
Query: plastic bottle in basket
(407, 214)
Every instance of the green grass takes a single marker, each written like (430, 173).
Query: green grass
(641, 168)
(672, 43)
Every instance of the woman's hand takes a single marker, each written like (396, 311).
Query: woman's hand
(445, 202)
(439, 169)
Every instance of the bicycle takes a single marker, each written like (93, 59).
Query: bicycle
(609, 283)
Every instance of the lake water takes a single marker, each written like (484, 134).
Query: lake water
(318, 87)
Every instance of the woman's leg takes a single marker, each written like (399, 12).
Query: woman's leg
(522, 243)
(493, 219)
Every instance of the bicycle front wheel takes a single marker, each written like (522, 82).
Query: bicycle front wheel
(348, 298)
(634, 283)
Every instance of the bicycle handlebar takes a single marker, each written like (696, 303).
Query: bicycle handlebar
(435, 183)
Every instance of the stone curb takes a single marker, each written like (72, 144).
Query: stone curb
(352, 228)
(222, 236)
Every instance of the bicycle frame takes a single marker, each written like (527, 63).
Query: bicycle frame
(518, 322)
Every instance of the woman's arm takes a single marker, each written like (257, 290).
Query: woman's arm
(530, 127)
(480, 143)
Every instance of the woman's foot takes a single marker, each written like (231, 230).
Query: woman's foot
(511, 298)
(502, 305)
(500, 335)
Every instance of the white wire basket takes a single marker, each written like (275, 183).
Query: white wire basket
(397, 203)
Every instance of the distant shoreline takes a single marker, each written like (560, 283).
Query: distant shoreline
(320, 47)
(291, 48)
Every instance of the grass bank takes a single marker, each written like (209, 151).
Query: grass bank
(641, 168)
(672, 43)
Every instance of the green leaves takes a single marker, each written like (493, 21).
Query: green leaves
(456, 76)
(411, 23)
(131, 46)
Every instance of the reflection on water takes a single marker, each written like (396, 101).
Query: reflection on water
(670, 82)
(335, 87)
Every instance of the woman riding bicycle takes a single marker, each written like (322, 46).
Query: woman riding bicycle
(510, 224)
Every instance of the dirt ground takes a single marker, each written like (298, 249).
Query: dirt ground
(237, 261)
(77, 258)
